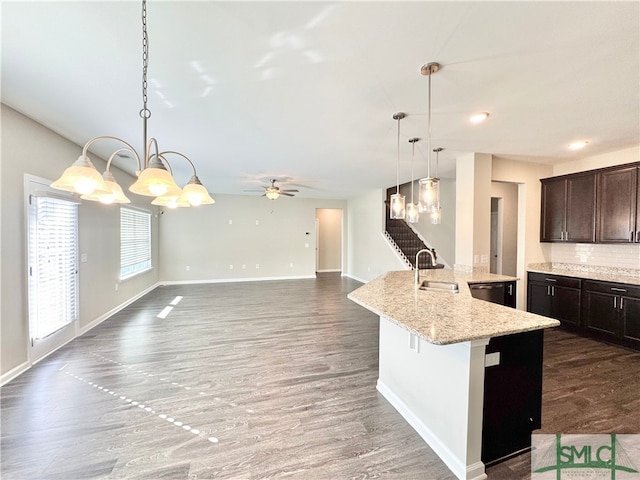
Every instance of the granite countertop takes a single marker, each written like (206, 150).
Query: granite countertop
(606, 274)
(443, 318)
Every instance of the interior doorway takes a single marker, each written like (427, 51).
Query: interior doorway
(504, 228)
(329, 240)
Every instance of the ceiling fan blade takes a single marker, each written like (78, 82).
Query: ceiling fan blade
(293, 190)
(257, 191)
(286, 194)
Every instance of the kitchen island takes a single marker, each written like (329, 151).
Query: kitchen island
(432, 356)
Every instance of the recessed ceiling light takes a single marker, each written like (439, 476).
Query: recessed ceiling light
(478, 117)
(578, 145)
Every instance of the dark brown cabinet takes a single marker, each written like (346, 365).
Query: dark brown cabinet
(555, 296)
(569, 209)
(618, 206)
(612, 311)
(598, 206)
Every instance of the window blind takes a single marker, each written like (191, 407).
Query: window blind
(135, 242)
(52, 252)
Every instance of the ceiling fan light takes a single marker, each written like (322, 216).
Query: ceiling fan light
(81, 177)
(155, 182)
(272, 193)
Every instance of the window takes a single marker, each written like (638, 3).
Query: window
(135, 242)
(53, 269)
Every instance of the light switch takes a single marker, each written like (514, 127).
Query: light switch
(83, 258)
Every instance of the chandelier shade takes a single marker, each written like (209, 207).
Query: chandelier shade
(115, 194)
(81, 177)
(170, 201)
(195, 193)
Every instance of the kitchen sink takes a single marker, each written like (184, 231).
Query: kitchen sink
(439, 286)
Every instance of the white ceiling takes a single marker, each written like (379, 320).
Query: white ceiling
(305, 91)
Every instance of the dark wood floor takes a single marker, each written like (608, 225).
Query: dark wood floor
(261, 380)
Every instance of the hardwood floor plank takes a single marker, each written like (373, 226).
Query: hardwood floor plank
(260, 380)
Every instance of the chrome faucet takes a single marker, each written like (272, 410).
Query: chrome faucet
(433, 262)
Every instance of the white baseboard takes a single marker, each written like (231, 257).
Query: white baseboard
(459, 468)
(115, 310)
(362, 280)
(231, 280)
(329, 270)
(14, 372)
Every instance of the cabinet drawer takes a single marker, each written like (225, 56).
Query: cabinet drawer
(558, 280)
(621, 289)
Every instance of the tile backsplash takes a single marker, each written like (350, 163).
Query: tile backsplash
(619, 256)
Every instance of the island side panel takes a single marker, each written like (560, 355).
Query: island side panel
(439, 390)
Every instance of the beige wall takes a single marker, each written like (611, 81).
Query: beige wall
(329, 224)
(438, 236)
(508, 230)
(241, 237)
(369, 253)
(527, 175)
(30, 148)
(620, 157)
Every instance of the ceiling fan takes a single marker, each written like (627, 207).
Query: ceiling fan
(273, 191)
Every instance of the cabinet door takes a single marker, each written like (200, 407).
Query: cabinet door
(617, 212)
(539, 299)
(581, 209)
(565, 305)
(638, 205)
(631, 320)
(600, 312)
(553, 221)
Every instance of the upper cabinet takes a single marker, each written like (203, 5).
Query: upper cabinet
(618, 210)
(569, 209)
(598, 206)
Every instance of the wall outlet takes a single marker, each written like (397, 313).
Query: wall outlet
(230, 222)
(306, 245)
(230, 267)
(257, 222)
(188, 268)
(83, 258)
(116, 287)
(476, 259)
(244, 266)
(291, 265)
(484, 259)
(257, 265)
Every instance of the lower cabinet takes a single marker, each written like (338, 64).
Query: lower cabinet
(512, 383)
(555, 296)
(512, 395)
(609, 311)
(612, 311)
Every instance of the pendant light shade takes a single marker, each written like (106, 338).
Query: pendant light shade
(397, 205)
(81, 177)
(413, 210)
(436, 211)
(429, 186)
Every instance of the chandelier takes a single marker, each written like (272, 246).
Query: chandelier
(153, 178)
(429, 186)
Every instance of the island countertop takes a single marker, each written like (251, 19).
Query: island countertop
(444, 318)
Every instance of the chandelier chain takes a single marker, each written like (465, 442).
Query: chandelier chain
(145, 112)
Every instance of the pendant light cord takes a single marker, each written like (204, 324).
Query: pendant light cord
(413, 152)
(429, 130)
(398, 164)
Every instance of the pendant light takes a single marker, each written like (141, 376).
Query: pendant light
(397, 205)
(436, 213)
(429, 186)
(413, 212)
(153, 180)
